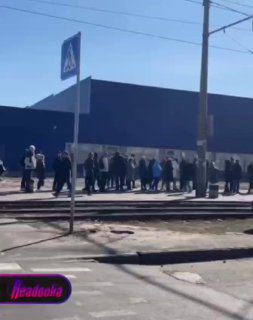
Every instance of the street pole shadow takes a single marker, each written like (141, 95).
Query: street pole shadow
(34, 243)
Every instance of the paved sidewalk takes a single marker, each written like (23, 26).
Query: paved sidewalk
(49, 241)
(10, 191)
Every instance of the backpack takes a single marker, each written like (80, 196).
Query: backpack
(101, 164)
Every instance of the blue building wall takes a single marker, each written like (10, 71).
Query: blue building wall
(233, 130)
(129, 115)
(20, 128)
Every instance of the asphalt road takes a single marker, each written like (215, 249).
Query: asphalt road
(142, 292)
(106, 291)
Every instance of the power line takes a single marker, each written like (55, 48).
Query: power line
(218, 6)
(124, 13)
(238, 3)
(63, 18)
(226, 8)
(239, 43)
(194, 1)
(96, 24)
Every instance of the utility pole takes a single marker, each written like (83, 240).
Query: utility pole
(202, 115)
(203, 97)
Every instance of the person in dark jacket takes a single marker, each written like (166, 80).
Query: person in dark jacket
(168, 173)
(182, 167)
(135, 170)
(22, 164)
(212, 173)
(143, 173)
(89, 167)
(163, 177)
(228, 177)
(40, 169)
(250, 176)
(194, 173)
(237, 176)
(64, 173)
(232, 163)
(56, 169)
(119, 170)
(150, 173)
(188, 176)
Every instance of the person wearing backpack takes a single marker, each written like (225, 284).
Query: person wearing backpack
(29, 168)
(103, 165)
(40, 169)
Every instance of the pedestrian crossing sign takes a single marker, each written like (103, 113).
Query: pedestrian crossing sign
(70, 57)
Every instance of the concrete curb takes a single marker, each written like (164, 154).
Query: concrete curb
(124, 203)
(184, 215)
(173, 257)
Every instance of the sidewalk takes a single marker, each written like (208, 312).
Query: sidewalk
(125, 242)
(10, 191)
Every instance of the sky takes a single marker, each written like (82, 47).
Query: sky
(31, 46)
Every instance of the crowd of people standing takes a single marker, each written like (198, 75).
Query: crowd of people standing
(120, 173)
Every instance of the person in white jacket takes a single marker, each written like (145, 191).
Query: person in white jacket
(176, 173)
(103, 165)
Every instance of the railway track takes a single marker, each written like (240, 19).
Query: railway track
(126, 209)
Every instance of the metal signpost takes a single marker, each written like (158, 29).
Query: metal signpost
(70, 66)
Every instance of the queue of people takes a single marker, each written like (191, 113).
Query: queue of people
(34, 166)
(120, 172)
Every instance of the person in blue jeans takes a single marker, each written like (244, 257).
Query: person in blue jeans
(157, 173)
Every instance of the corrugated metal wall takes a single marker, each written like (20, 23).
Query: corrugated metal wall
(130, 115)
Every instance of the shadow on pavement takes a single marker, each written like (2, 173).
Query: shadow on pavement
(125, 269)
(34, 242)
(9, 193)
(167, 288)
(249, 231)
